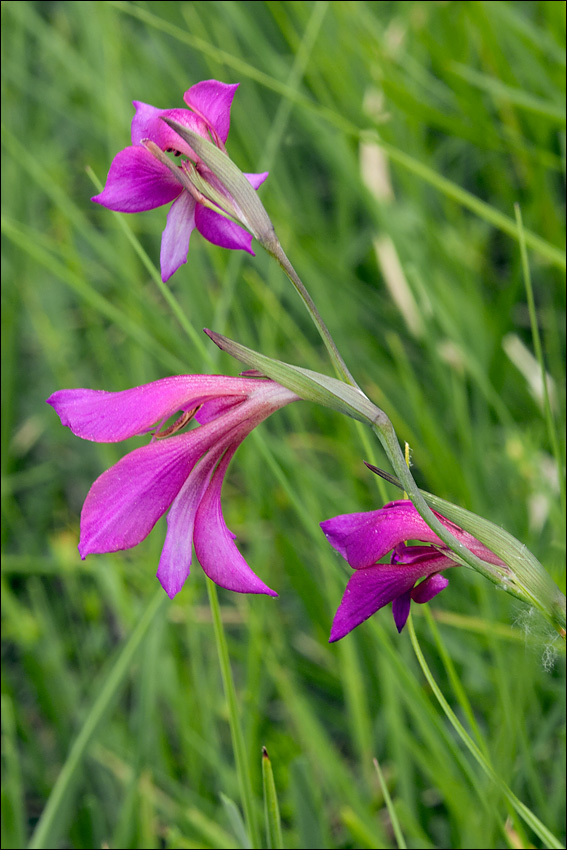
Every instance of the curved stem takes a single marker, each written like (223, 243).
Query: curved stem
(387, 436)
(532, 585)
(276, 251)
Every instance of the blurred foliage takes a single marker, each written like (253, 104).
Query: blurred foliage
(399, 137)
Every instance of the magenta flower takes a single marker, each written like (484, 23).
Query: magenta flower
(180, 471)
(362, 539)
(138, 181)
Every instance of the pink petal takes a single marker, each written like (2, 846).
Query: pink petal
(175, 237)
(427, 556)
(211, 410)
(415, 528)
(107, 417)
(265, 398)
(400, 609)
(126, 501)
(364, 538)
(256, 180)
(214, 546)
(428, 588)
(137, 182)
(221, 231)
(175, 558)
(367, 591)
(212, 101)
(147, 124)
(370, 588)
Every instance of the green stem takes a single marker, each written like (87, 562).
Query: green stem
(387, 436)
(400, 840)
(525, 579)
(384, 429)
(276, 251)
(238, 745)
(271, 805)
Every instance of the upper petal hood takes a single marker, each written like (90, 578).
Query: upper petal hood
(211, 100)
(107, 417)
(147, 124)
(363, 538)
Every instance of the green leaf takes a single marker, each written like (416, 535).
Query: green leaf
(236, 822)
(309, 385)
(271, 805)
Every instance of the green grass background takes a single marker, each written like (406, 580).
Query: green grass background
(109, 688)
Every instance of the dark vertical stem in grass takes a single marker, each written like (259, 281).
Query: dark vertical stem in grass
(238, 745)
(400, 840)
(341, 368)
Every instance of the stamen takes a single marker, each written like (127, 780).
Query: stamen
(163, 158)
(187, 168)
(178, 424)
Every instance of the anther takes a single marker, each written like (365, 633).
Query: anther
(178, 424)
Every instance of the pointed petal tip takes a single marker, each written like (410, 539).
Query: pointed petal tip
(338, 632)
(172, 577)
(255, 588)
(400, 623)
(84, 550)
(167, 273)
(400, 609)
(171, 589)
(214, 337)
